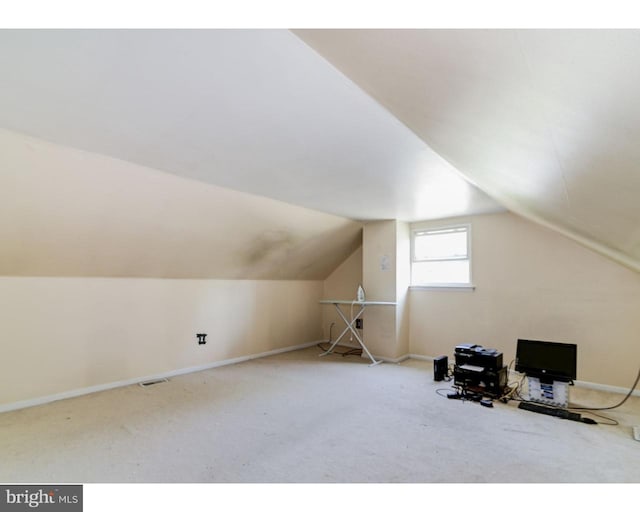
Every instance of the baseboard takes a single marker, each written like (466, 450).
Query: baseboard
(513, 375)
(225, 362)
(604, 387)
(350, 344)
(23, 404)
(420, 357)
(395, 360)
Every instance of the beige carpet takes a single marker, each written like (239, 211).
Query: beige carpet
(296, 417)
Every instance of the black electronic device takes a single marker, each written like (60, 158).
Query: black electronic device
(547, 360)
(486, 402)
(485, 381)
(551, 411)
(477, 355)
(440, 368)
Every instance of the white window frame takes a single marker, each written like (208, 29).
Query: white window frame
(436, 229)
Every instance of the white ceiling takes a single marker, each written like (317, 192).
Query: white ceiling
(545, 121)
(364, 124)
(253, 110)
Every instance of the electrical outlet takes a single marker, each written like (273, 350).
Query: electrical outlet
(359, 323)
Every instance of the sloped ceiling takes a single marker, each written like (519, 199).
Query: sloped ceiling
(66, 212)
(545, 121)
(199, 153)
(356, 124)
(253, 110)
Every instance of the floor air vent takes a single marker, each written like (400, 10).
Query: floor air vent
(152, 382)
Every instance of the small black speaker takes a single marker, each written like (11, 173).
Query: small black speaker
(440, 368)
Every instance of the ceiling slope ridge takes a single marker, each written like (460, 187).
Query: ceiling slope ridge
(392, 115)
(252, 110)
(514, 207)
(590, 243)
(394, 68)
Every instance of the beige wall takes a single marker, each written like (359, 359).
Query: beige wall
(65, 212)
(403, 280)
(379, 247)
(112, 268)
(379, 260)
(65, 334)
(533, 283)
(342, 284)
(386, 278)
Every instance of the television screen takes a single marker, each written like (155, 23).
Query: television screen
(547, 360)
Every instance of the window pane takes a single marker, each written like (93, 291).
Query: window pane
(440, 272)
(441, 245)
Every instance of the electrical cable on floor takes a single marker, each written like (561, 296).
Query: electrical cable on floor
(350, 352)
(613, 406)
(460, 393)
(611, 421)
(509, 392)
(449, 376)
(589, 410)
(512, 392)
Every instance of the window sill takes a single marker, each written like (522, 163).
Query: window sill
(459, 287)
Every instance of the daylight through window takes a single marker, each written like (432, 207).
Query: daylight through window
(441, 257)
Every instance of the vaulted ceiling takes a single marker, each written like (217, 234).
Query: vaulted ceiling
(347, 124)
(547, 122)
(254, 110)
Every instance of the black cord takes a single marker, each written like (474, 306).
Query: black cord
(512, 391)
(514, 394)
(449, 376)
(464, 394)
(610, 421)
(613, 406)
(350, 352)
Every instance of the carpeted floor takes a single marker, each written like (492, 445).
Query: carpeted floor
(296, 417)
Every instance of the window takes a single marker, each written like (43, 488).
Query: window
(441, 256)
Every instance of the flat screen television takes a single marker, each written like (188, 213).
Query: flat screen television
(547, 360)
